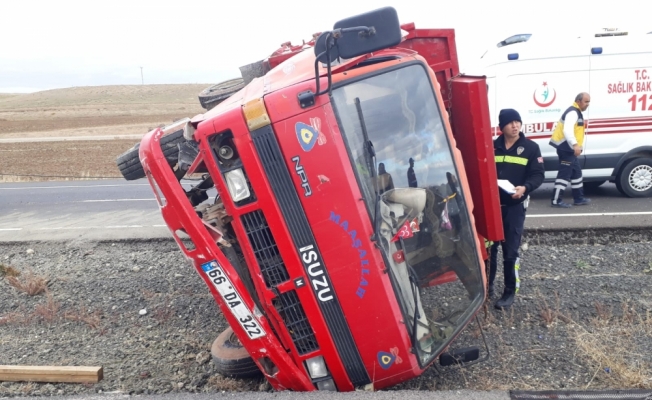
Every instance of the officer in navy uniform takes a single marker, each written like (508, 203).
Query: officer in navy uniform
(519, 161)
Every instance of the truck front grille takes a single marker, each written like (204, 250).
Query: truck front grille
(264, 246)
(288, 306)
(278, 174)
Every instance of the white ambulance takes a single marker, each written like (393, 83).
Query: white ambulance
(540, 77)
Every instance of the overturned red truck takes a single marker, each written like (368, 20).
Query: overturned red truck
(354, 185)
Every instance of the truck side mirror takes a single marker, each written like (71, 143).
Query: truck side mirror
(362, 34)
(321, 45)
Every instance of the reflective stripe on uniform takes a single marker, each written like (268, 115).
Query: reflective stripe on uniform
(512, 160)
(560, 184)
(517, 266)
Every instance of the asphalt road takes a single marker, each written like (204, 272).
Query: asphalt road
(118, 209)
(608, 209)
(79, 210)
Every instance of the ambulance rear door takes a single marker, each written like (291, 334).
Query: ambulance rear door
(620, 113)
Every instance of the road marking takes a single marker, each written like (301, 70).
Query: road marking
(69, 187)
(105, 200)
(10, 229)
(589, 214)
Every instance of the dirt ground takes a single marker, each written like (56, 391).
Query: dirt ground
(583, 319)
(83, 112)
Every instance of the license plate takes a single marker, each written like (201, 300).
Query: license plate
(232, 299)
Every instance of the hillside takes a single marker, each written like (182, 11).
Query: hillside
(79, 113)
(96, 110)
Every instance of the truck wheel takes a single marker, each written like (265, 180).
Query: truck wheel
(230, 357)
(129, 161)
(214, 95)
(593, 185)
(635, 179)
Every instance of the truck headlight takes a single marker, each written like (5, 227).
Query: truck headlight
(327, 385)
(316, 367)
(237, 184)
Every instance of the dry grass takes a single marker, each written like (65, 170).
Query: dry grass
(611, 346)
(6, 270)
(550, 314)
(29, 283)
(162, 314)
(610, 349)
(603, 314)
(148, 294)
(93, 319)
(14, 318)
(48, 311)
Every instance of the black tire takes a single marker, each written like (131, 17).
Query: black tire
(635, 178)
(620, 187)
(129, 161)
(591, 186)
(214, 95)
(231, 359)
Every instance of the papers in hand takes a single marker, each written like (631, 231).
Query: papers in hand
(506, 186)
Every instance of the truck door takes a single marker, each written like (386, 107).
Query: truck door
(540, 81)
(621, 99)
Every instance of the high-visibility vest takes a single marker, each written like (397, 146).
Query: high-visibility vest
(558, 134)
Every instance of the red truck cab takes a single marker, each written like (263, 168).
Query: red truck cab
(341, 245)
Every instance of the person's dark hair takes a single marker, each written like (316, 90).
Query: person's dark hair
(579, 97)
(381, 169)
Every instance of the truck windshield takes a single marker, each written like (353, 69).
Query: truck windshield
(423, 227)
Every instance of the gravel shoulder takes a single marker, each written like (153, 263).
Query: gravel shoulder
(582, 319)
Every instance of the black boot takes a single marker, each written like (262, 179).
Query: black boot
(491, 292)
(507, 300)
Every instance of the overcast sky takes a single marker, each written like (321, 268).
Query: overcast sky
(64, 43)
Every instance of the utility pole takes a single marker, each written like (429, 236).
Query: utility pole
(142, 81)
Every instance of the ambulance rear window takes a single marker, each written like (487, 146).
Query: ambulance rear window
(515, 39)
